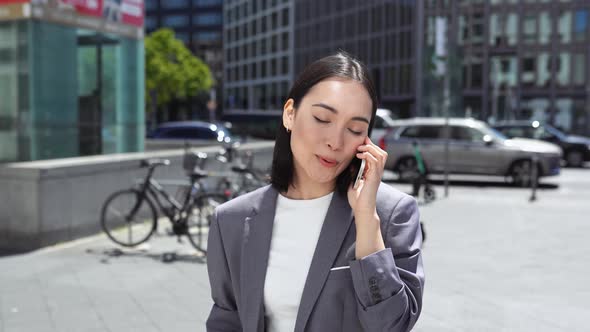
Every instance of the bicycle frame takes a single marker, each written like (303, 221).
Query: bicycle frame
(156, 191)
(151, 187)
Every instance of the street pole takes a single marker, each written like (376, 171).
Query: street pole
(443, 65)
(495, 92)
(447, 102)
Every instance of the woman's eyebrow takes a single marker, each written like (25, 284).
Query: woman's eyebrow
(333, 110)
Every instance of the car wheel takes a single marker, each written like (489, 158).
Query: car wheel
(407, 169)
(521, 173)
(574, 159)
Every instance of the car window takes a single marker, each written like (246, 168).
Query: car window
(466, 134)
(516, 132)
(423, 132)
(379, 123)
(189, 133)
(541, 133)
(205, 133)
(179, 133)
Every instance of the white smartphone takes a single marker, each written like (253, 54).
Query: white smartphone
(359, 176)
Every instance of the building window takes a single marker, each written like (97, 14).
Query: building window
(581, 25)
(171, 4)
(529, 64)
(579, 69)
(543, 78)
(206, 3)
(208, 36)
(273, 67)
(285, 65)
(544, 28)
(529, 29)
(565, 27)
(285, 42)
(275, 21)
(263, 48)
(274, 44)
(285, 15)
(263, 69)
(151, 4)
(253, 27)
(207, 19)
(151, 23)
(176, 21)
(504, 71)
(563, 73)
(184, 36)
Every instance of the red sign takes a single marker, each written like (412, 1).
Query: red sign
(85, 7)
(133, 12)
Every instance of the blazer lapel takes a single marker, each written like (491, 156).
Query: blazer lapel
(255, 251)
(334, 230)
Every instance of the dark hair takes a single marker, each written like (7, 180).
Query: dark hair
(340, 65)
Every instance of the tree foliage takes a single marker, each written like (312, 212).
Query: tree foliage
(172, 71)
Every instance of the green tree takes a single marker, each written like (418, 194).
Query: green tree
(172, 71)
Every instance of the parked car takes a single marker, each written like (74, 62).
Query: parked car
(576, 149)
(474, 148)
(197, 132)
(383, 121)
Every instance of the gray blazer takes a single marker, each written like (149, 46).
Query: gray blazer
(380, 292)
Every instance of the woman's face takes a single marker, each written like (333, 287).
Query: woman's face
(331, 121)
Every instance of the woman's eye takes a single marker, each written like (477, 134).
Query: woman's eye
(319, 120)
(357, 133)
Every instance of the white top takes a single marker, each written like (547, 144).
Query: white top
(295, 233)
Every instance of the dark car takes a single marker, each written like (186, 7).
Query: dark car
(198, 132)
(576, 149)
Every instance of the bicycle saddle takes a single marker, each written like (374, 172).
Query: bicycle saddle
(198, 173)
(154, 162)
(240, 169)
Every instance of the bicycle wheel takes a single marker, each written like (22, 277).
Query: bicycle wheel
(127, 219)
(200, 218)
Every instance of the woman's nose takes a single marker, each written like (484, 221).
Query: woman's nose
(334, 140)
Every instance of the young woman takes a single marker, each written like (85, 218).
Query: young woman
(310, 251)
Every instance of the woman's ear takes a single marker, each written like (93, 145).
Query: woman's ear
(288, 114)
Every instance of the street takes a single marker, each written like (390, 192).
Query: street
(494, 261)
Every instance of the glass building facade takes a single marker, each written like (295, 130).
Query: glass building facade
(515, 59)
(199, 24)
(258, 49)
(268, 42)
(381, 33)
(68, 92)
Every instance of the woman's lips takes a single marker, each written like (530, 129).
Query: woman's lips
(327, 162)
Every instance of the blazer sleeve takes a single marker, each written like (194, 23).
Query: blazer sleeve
(389, 283)
(224, 313)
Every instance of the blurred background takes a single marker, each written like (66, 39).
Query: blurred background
(484, 110)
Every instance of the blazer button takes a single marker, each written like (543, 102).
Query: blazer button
(372, 281)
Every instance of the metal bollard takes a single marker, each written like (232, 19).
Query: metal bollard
(534, 177)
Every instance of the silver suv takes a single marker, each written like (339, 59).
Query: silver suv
(474, 148)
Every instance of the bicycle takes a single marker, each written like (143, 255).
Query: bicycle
(129, 217)
(248, 178)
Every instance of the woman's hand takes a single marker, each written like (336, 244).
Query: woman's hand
(362, 199)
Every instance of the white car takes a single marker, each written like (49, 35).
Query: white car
(384, 119)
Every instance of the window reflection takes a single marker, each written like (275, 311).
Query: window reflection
(564, 28)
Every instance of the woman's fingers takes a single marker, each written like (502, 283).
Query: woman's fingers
(375, 151)
(372, 162)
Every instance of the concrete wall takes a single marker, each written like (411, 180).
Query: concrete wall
(46, 202)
